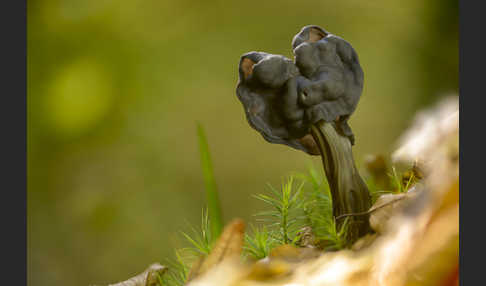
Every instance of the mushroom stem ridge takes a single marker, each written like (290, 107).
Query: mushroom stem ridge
(348, 190)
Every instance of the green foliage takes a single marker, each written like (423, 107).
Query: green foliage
(285, 215)
(200, 244)
(318, 212)
(159, 279)
(375, 192)
(396, 181)
(259, 245)
(214, 207)
(294, 206)
(177, 273)
(202, 239)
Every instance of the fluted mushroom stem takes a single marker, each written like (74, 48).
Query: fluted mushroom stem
(349, 192)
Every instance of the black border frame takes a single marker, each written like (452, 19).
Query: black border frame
(14, 119)
(471, 88)
(13, 23)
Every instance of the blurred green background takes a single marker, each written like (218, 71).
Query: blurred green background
(115, 89)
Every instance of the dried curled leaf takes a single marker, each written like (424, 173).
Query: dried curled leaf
(365, 241)
(281, 262)
(267, 269)
(291, 253)
(385, 207)
(229, 245)
(147, 278)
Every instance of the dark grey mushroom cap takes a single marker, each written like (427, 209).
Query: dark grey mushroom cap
(263, 85)
(282, 99)
(335, 76)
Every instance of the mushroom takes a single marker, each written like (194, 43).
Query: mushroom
(306, 104)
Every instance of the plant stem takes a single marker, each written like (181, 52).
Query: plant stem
(214, 206)
(348, 190)
(284, 226)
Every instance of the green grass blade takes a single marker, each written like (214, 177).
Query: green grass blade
(214, 207)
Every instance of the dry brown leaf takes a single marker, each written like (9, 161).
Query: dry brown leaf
(146, 278)
(365, 241)
(291, 253)
(267, 269)
(228, 245)
(385, 206)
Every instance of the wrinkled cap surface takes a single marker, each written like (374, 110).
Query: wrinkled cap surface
(283, 98)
